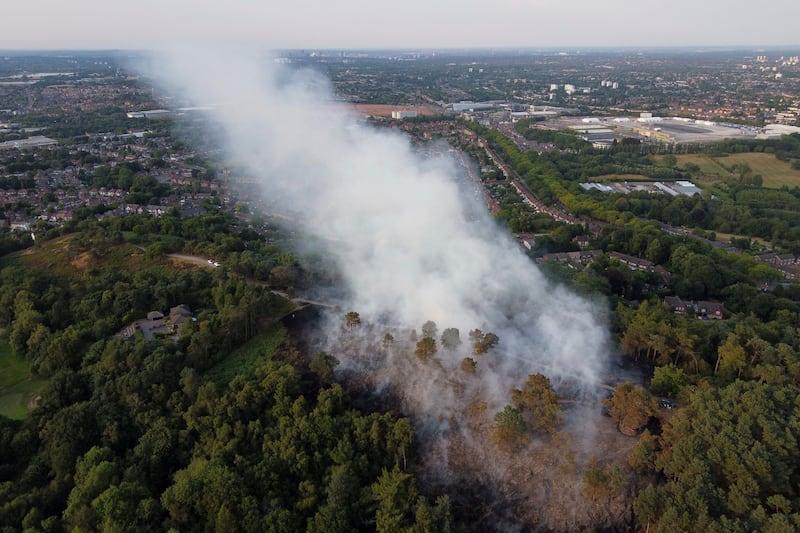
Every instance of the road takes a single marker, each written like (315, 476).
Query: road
(564, 216)
(524, 191)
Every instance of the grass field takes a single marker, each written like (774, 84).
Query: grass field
(726, 238)
(17, 386)
(776, 173)
(246, 359)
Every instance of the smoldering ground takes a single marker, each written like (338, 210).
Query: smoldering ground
(410, 249)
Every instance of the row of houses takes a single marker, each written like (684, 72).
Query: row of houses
(584, 257)
(702, 309)
(786, 264)
(778, 259)
(637, 263)
(571, 259)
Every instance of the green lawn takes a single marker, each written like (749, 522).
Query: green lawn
(17, 386)
(246, 359)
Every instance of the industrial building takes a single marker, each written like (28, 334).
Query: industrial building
(400, 114)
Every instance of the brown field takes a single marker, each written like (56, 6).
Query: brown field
(776, 173)
(385, 110)
(65, 257)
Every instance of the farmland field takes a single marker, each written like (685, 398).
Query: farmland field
(776, 173)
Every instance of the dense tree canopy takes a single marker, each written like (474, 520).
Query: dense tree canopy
(730, 460)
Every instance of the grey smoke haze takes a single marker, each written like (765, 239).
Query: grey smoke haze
(396, 222)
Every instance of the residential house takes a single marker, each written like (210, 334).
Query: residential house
(702, 309)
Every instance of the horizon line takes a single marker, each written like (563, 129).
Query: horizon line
(574, 48)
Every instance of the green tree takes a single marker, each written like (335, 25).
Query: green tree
(670, 161)
(669, 380)
(323, 365)
(538, 399)
(127, 507)
(728, 462)
(95, 472)
(352, 319)
(388, 341)
(395, 492)
(510, 431)
(631, 407)
(482, 342)
(468, 365)
(429, 329)
(451, 339)
(426, 348)
(731, 358)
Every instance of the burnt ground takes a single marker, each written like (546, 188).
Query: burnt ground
(537, 487)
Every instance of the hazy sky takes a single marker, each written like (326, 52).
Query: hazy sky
(397, 24)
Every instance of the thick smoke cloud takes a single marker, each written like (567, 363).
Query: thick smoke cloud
(397, 222)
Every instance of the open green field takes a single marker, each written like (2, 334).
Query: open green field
(17, 386)
(247, 358)
(776, 173)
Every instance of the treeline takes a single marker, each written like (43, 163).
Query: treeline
(785, 148)
(554, 176)
(68, 125)
(51, 321)
(692, 269)
(58, 157)
(135, 440)
(31, 161)
(727, 459)
(243, 250)
(129, 435)
(11, 241)
(747, 209)
(16, 183)
(773, 215)
(560, 140)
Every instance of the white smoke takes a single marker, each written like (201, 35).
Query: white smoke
(402, 232)
(397, 221)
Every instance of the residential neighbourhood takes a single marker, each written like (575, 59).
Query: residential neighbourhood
(51, 195)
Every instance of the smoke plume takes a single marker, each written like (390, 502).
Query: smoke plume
(410, 245)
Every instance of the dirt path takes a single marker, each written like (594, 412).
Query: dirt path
(208, 263)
